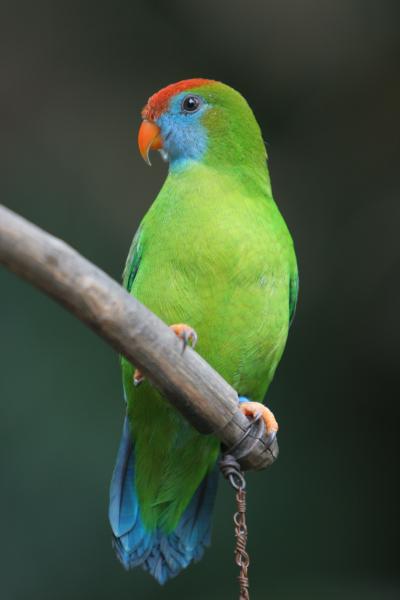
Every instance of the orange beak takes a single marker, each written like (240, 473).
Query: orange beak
(149, 138)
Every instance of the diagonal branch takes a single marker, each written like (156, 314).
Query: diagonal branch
(208, 402)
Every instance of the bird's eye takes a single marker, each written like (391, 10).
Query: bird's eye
(191, 104)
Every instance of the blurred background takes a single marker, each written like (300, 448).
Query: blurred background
(323, 80)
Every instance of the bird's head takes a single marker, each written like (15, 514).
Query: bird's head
(201, 120)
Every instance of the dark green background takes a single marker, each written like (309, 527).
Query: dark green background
(322, 78)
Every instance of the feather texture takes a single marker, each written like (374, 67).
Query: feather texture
(162, 554)
(213, 252)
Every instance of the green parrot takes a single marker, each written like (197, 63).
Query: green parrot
(213, 258)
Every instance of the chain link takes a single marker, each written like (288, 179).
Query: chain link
(241, 556)
(231, 470)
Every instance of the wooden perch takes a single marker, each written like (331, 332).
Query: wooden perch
(207, 401)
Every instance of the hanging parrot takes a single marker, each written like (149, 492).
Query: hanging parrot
(213, 258)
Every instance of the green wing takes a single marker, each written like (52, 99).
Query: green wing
(293, 295)
(128, 276)
(132, 262)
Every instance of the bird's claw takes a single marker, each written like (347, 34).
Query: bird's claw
(138, 378)
(185, 333)
(258, 410)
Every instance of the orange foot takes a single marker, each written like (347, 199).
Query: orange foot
(185, 333)
(255, 409)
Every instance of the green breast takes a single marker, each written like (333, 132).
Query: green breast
(219, 258)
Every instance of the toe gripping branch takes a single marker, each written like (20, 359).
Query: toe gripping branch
(231, 470)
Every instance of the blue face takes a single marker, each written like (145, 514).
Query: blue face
(184, 136)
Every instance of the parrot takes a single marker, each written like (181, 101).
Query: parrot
(214, 259)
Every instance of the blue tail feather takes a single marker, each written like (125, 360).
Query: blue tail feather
(123, 508)
(162, 555)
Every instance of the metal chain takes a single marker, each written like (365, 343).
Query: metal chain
(231, 470)
(241, 556)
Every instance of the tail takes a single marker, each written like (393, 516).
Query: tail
(162, 555)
